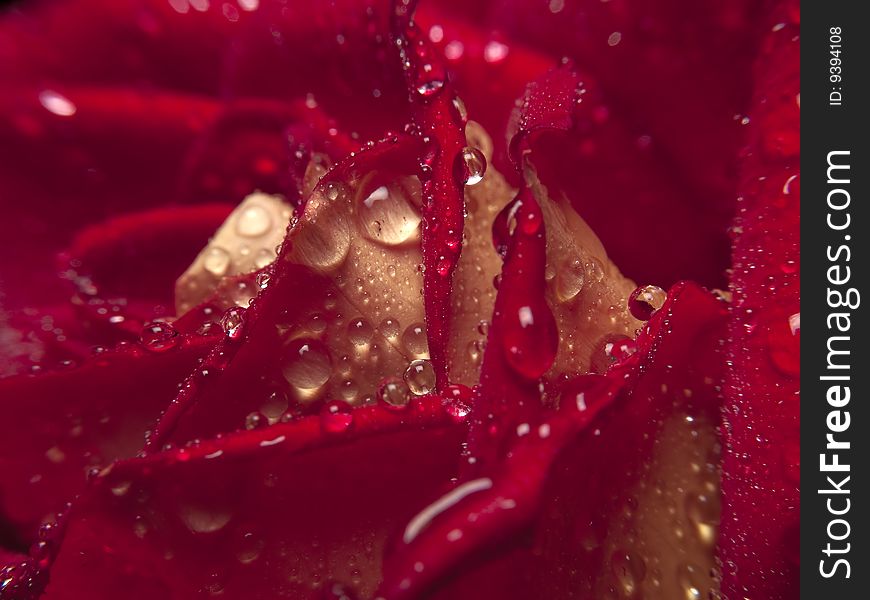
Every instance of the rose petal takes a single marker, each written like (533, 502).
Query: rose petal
(281, 510)
(544, 484)
(57, 426)
(761, 470)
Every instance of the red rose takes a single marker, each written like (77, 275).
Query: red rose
(439, 384)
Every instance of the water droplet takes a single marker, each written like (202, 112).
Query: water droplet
(360, 332)
(390, 329)
(629, 569)
(569, 280)
(784, 346)
(530, 338)
(121, 488)
(216, 261)
(428, 78)
(415, 341)
(461, 111)
(420, 377)
(612, 348)
(275, 406)
(233, 322)
(253, 221)
(336, 417)
(249, 549)
(159, 336)
(703, 511)
(264, 258)
(263, 280)
(203, 519)
(692, 581)
(470, 166)
(308, 366)
(474, 353)
(323, 244)
(57, 103)
(457, 402)
(495, 52)
(503, 227)
(646, 300)
(388, 215)
(394, 393)
(255, 420)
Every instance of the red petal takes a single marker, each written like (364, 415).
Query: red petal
(570, 480)
(130, 263)
(57, 426)
(760, 521)
(285, 509)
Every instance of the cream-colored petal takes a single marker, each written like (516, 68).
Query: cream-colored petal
(245, 242)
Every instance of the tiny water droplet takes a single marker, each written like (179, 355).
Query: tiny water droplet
(457, 402)
(645, 301)
(394, 393)
(336, 417)
(255, 420)
(159, 336)
(263, 280)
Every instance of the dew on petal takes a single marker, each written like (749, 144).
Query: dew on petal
(388, 214)
(420, 377)
(470, 166)
(308, 367)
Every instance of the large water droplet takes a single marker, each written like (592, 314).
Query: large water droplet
(308, 366)
(388, 215)
(569, 280)
(470, 166)
(415, 341)
(420, 377)
(323, 241)
(530, 338)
